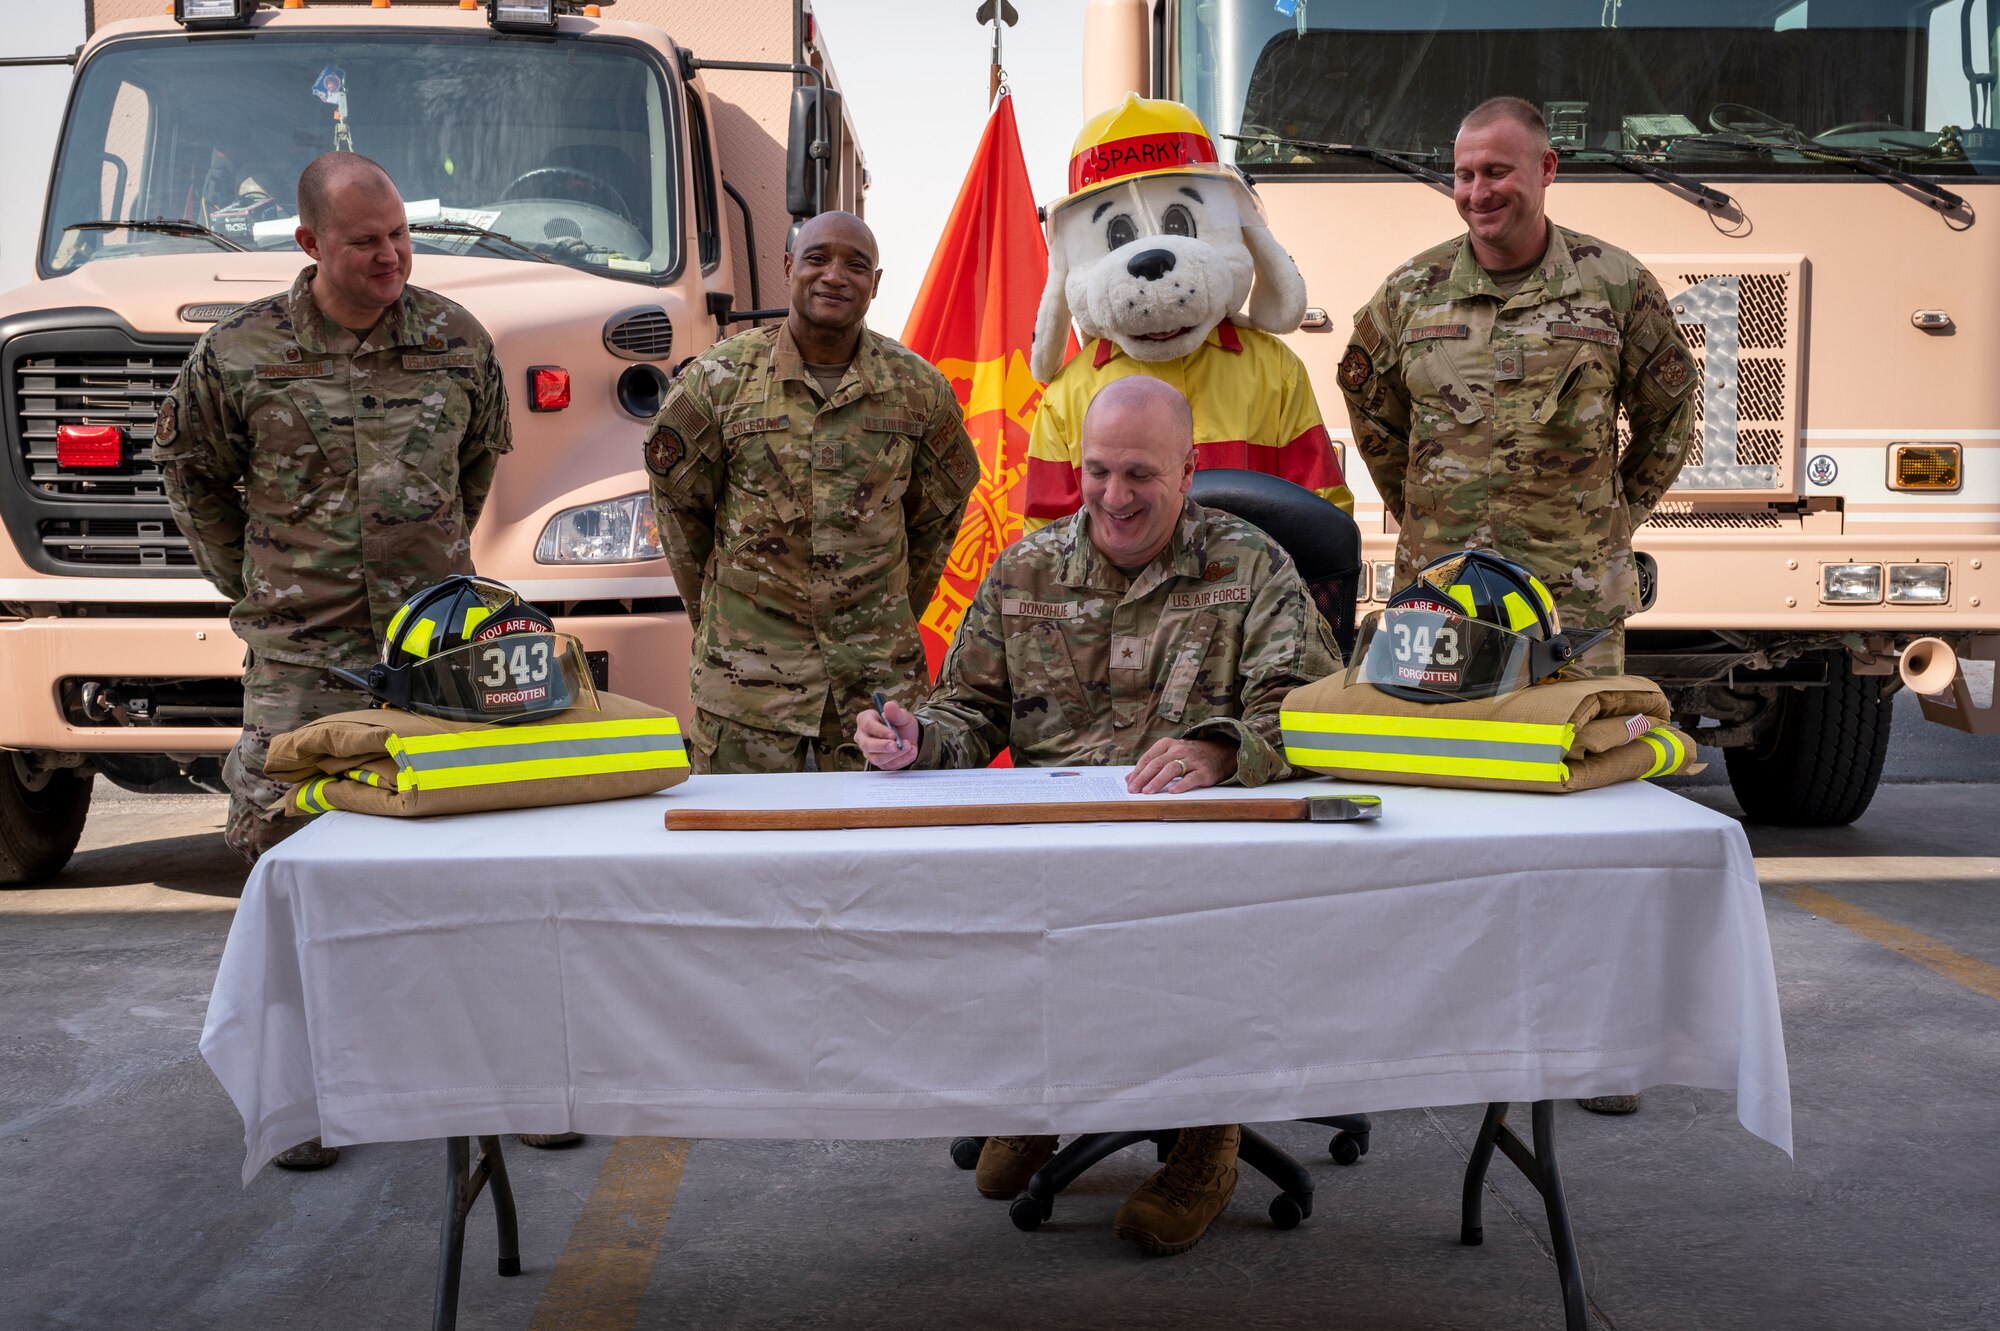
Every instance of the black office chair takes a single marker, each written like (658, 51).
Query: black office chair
(1326, 546)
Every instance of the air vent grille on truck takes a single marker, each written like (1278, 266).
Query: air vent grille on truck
(100, 542)
(642, 334)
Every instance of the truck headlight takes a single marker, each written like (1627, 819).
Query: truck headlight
(1850, 584)
(1919, 584)
(617, 531)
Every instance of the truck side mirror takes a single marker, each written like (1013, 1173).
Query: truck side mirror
(812, 182)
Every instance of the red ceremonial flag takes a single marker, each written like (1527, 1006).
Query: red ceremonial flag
(974, 318)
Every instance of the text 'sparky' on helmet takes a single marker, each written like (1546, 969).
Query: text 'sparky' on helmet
(1145, 137)
(1469, 625)
(470, 649)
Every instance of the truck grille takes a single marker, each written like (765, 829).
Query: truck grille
(92, 390)
(101, 522)
(1742, 327)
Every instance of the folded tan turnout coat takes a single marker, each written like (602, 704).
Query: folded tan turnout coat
(1551, 738)
(385, 761)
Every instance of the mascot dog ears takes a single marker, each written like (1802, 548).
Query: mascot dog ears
(1157, 242)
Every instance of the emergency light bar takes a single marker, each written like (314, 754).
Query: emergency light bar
(211, 15)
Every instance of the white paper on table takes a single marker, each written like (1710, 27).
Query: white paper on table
(998, 785)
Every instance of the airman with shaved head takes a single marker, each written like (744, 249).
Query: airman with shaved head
(327, 452)
(1142, 630)
(808, 481)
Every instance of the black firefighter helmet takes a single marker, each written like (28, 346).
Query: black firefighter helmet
(470, 649)
(1469, 625)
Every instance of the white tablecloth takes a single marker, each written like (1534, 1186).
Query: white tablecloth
(584, 969)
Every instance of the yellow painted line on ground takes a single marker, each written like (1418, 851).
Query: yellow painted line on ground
(605, 1268)
(1926, 951)
(1773, 870)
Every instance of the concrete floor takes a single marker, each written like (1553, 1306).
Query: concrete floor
(122, 1208)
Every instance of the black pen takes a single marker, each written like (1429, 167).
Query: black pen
(882, 710)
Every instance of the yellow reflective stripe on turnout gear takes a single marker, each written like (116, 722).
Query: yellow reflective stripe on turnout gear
(539, 753)
(311, 796)
(1520, 614)
(1508, 750)
(1669, 754)
(363, 774)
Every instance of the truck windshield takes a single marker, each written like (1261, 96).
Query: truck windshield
(560, 150)
(1724, 87)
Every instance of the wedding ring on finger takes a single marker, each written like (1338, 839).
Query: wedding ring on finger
(1183, 766)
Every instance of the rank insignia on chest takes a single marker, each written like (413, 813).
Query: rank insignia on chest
(663, 450)
(1128, 653)
(1355, 367)
(1508, 365)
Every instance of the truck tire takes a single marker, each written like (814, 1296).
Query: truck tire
(1821, 762)
(40, 821)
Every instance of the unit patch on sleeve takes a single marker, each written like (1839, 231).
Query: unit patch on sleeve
(663, 450)
(1672, 369)
(167, 425)
(1355, 367)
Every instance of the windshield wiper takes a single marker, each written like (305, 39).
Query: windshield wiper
(1395, 161)
(500, 238)
(1881, 165)
(1702, 196)
(164, 225)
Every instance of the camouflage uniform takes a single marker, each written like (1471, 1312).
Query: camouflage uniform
(806, 537)
(1492, 421)
(362, 467)
(1065, 660)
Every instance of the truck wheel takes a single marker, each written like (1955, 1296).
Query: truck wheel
(1820, 764)
(41, 819)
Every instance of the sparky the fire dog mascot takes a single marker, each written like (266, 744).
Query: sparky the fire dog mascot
(1161, 254)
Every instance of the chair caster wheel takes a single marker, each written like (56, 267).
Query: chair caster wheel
(1287, 1211)
(1347, 1147)
(510, 1266)
(1027, 1213)
(965, 1151)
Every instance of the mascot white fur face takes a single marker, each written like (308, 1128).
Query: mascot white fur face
(1155, 261)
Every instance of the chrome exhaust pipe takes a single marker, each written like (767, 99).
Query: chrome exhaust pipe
(1928, 666)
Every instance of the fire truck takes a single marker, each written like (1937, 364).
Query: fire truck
(1813, 182)
(603, 193)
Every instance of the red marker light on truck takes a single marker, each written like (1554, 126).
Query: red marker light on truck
(548, 388)
(90, 446)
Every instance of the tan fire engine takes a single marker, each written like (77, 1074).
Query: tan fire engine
(603, 193)
(1814, 185)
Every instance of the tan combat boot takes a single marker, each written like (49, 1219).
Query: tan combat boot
(1172, 1210)
(1007, 1163)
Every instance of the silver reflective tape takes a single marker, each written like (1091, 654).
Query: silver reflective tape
(1425, 747)
(492, 755)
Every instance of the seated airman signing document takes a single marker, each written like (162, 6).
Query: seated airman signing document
(1142, 629)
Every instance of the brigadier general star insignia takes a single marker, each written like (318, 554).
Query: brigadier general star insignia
(663, 450)
(1355, 367)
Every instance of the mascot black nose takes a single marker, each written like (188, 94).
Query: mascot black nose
(1151, 264)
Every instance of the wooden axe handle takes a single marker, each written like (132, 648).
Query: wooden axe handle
(974, 815)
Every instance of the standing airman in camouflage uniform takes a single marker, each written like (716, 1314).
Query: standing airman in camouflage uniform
(1144, 629)
(362, 418)
(808, 481)
(1485, 378)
